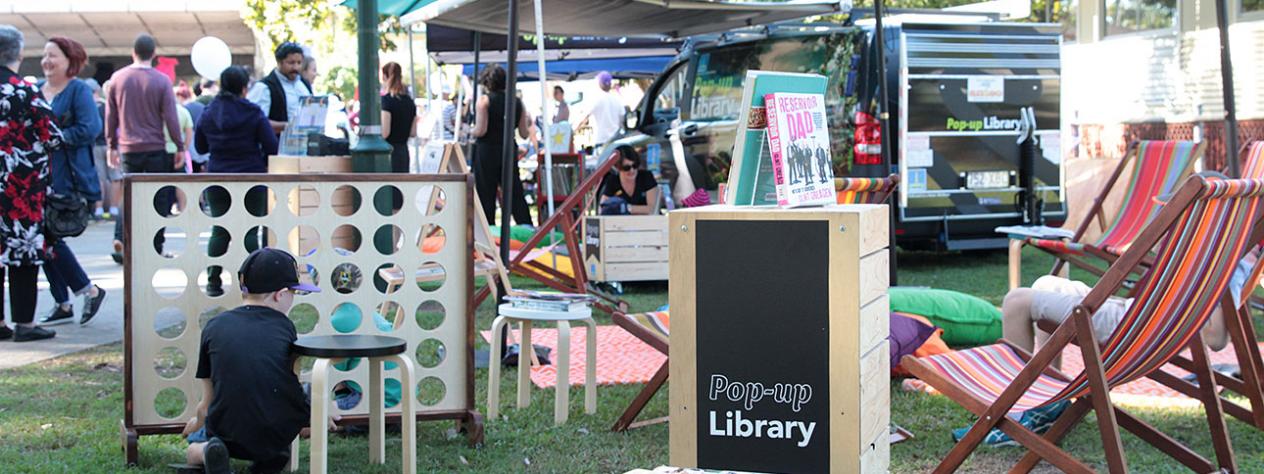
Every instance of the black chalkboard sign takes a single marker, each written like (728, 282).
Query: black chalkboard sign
(763, 345)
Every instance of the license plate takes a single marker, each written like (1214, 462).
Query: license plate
(987, 179)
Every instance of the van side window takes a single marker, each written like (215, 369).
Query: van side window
(671, 92)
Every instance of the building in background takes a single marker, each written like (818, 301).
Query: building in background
(107, 28)
(1150, 69)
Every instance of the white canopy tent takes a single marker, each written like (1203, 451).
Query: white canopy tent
(667, 18)
(671, 18)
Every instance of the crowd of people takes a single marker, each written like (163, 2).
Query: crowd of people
(84, 137)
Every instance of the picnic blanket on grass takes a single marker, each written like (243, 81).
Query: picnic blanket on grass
(621, 357)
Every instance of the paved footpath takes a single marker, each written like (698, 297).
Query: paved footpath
(93, 250)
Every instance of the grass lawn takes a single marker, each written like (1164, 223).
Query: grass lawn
(63, 415)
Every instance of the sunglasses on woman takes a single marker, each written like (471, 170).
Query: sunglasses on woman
(627, 167)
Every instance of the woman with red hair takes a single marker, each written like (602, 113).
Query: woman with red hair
(72, 170)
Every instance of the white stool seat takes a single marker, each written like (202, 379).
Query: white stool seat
(525, 317)
(528, 314)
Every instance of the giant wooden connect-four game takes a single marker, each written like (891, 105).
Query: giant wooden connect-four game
(343, 229)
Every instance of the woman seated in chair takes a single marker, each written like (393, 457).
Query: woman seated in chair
(629, 189)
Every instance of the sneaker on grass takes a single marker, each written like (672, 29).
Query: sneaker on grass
(1038, 420)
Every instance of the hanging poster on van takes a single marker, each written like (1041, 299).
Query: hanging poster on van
(985, 89)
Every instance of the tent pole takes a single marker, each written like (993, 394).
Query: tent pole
(509, 148)
(1226, 81)
(884, 123)
(478, 43)
(412, 79)
(546, 117)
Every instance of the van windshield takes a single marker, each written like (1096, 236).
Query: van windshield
(717, 89)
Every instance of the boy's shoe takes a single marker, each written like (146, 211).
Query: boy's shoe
(215, 457)
(5, 333)
(1038, 420)
(35, 333)
(58, 316)
(91, 306)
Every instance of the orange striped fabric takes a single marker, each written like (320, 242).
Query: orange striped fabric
(863, 190)
(1194, 264)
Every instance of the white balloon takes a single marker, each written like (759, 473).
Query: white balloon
(210, 56)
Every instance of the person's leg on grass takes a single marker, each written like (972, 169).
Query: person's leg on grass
(1016, 321)
(486, 181)
(23, 295)
(63, 310)
(217, 201)
(521, 212)
(77, 280)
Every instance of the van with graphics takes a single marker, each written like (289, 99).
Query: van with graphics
(960, 96)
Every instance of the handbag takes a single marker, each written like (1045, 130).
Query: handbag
(66, 215)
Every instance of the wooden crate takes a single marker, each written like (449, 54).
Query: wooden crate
(780, 317)
(626, 248)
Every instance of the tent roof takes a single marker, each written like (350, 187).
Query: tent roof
(670, 18)
(572, 69)
(441, 38)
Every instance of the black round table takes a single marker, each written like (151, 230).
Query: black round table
(379, 350)
(349, 345)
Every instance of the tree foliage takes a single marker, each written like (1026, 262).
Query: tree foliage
(274, 19)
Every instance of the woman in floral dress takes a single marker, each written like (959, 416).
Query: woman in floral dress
(27, 135)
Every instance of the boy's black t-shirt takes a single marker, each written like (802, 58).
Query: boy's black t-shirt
(258, 405)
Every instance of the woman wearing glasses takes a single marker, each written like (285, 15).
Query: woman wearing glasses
(628, 189)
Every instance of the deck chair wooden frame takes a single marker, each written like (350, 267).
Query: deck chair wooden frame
(1092, 257)
(1194, 261)
(850, 191)
(563, 219)
(656, 340)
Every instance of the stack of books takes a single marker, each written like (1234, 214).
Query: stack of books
(549, 301)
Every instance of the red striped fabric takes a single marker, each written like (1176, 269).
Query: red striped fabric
(1194, 264)
(1159, 168)
(1058, 246)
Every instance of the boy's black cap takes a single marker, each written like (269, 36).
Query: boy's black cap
(267, 270)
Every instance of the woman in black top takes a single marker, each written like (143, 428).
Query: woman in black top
(399, 116)
(630, 183)
(489, 128)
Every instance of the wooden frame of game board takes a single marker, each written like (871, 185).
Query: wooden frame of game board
(455, 369)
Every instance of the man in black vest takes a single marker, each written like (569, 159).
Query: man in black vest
(279, 93)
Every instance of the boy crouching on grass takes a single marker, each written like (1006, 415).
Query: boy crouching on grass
(252, 403)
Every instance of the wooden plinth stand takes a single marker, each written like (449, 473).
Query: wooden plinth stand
(779, 357)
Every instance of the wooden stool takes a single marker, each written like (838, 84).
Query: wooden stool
(525, 317)
(379, 350)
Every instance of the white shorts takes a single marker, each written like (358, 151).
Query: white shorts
(1054, 298)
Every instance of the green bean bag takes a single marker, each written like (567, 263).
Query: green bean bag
(966, 320)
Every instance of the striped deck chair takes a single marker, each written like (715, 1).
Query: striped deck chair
(1204, 231)
(654, 328)
(865, 190)
(1160, 167)
(1242, 337)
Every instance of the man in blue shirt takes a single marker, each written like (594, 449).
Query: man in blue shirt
(280, 93)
